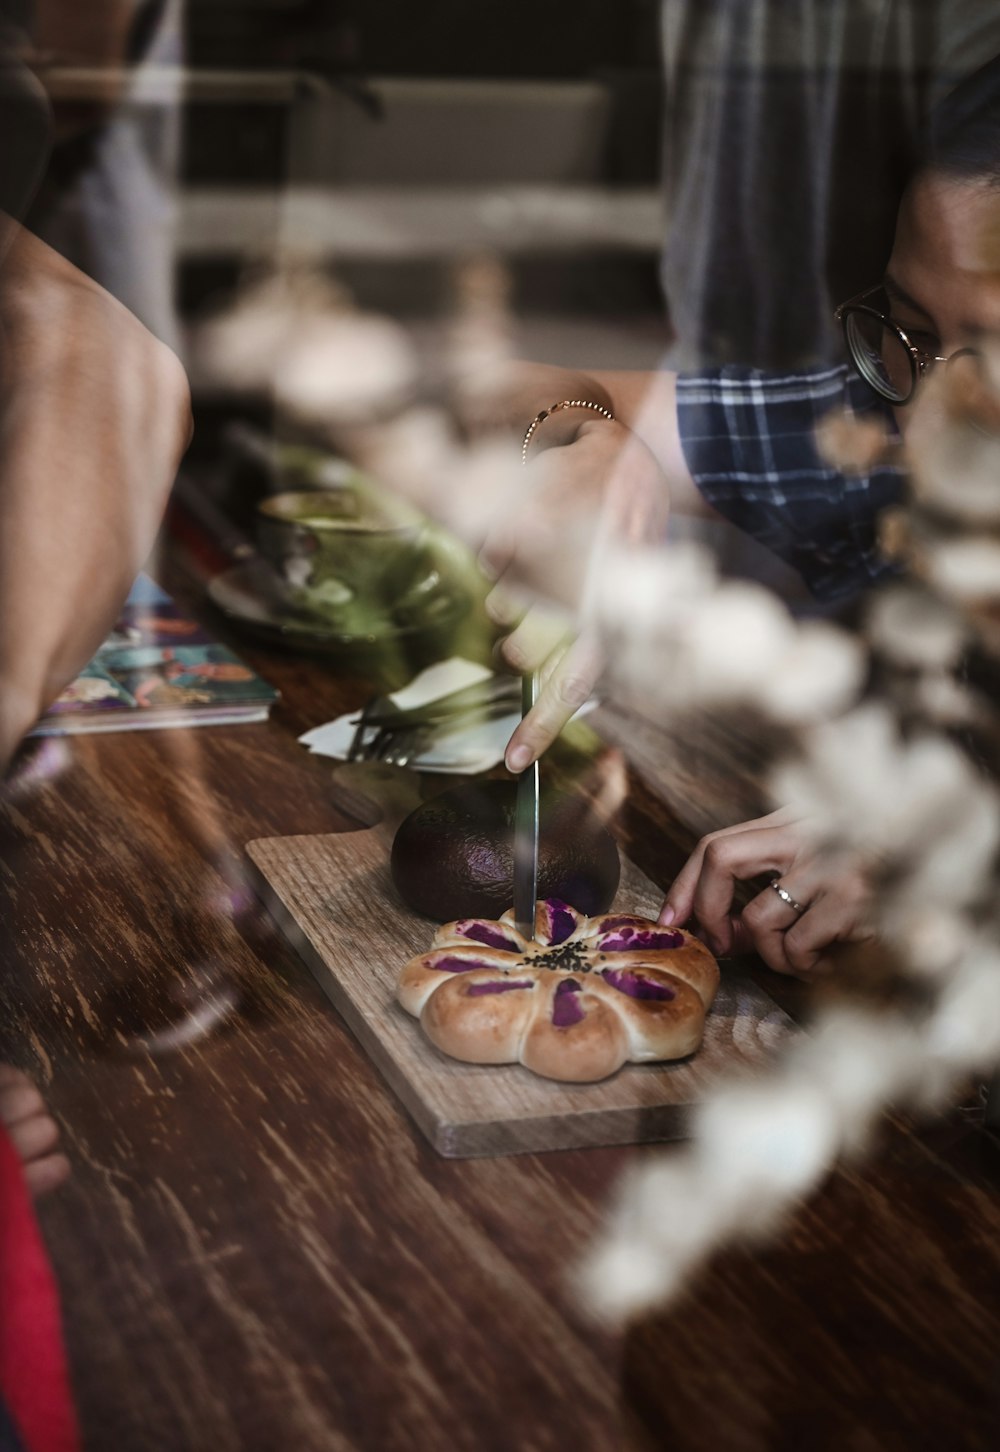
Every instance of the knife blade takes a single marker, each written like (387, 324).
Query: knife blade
(526, 829)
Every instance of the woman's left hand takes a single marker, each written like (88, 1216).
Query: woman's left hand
(825, 899)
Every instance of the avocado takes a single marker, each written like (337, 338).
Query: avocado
(453, 856)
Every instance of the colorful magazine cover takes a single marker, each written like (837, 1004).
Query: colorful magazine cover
(158, 668)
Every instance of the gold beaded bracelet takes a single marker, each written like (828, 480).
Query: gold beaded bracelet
(565, 403)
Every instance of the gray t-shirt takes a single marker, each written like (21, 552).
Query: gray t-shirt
(791, 127)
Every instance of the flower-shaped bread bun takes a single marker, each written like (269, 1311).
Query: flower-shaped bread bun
(587, 996)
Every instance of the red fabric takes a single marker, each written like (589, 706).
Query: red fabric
(34, 1386)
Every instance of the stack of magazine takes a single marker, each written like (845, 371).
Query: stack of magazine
(158, 668)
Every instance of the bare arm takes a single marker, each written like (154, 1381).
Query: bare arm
(94, 418)
(593, 479)
(645, 402)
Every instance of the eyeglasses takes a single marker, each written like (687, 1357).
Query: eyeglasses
(881, 351)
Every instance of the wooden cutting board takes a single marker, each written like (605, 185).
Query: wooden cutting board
(333, 899)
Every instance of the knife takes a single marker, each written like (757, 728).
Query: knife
(526, 829)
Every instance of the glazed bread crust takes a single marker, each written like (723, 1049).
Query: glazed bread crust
(587, 996)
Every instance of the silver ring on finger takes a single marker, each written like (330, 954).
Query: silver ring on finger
(786, 897)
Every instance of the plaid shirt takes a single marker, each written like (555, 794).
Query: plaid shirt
(748, 438)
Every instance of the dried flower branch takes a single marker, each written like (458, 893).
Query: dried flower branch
(876, 778)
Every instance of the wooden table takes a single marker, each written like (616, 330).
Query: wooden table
(258, 1252)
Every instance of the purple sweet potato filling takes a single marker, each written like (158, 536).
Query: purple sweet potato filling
(562, 923)
(486, 933)
(566, 1007)
(642, 939)
(461, 965)
(636, 986)
(504, 985)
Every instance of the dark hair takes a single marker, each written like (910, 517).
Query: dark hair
(963, 132)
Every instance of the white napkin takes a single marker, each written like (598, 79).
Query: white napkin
(468, 750)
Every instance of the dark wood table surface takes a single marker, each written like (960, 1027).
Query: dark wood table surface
(257, 1251)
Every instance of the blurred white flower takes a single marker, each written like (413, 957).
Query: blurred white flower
(965, 1032)
(624, 1277)
(912, 628)
(953, 444)
(958, 476)
(772, 1146)
(717, 642)
(743, 645)
(240, 347)
(649, 589)
(664, 1221)
(733, 640)
(965, 570)
(758, 1148)
(410, 454)
(946, 702)
(917, 802)
(480, 338)
(819, 676)
(638, 602)
(850, 1057)
(295, 331)
(482, 482)
(961, 847)
(337, 367)
(930, 938)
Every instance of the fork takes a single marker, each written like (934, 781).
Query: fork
(398, 745)
(399, 748)
(483, 702)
